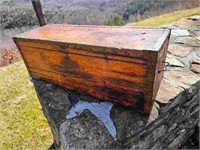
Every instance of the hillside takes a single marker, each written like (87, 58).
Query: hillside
(171, 17)
(19, 13)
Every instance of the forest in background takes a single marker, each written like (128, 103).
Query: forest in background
(19, 13)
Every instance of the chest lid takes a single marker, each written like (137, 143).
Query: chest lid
(127, 38)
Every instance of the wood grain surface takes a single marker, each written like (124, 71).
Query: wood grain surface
(109, 63)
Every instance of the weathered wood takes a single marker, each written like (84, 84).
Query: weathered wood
(174, 126)
(162, 54)
(100, 61)
(37, 6)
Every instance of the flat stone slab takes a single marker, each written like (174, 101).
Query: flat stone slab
(173, 61)
(189, 41)
(179, 50)
(154, 114)
(195, 66)
(167, 91)
(196, 61)
(194, 18)
(196, 33)
(181, 79)
(171, 26)
(180, 32)
(198, 54)
(186, 24)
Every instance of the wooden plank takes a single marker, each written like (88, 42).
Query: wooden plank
(83, 66)
(37, 6)
(133, 97)
(104, 52)
(75, 64)
(100, 36)
(138, 57)
(96, 76)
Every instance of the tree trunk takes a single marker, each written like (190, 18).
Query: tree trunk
(37, 6)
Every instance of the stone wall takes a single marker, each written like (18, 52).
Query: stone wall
(81, 121)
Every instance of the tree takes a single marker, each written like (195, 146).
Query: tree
(135, 6)
(116, 20)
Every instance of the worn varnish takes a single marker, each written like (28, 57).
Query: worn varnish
(120, 64)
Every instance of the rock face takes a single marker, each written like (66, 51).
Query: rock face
(76, 117)
(79, 121)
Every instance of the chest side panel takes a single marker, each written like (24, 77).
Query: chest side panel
(160, 66)
(125, 80)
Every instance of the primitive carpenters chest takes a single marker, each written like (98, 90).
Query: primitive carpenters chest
(119, 64)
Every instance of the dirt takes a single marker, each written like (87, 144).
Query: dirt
(8, 51)
(9, 56)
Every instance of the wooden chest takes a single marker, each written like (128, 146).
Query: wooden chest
(119, 64)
